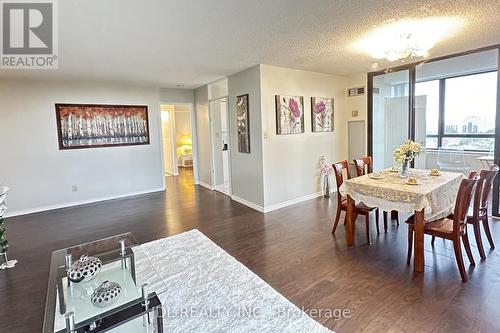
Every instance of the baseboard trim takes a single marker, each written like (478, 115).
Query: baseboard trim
(295, 201)
(81, 202)
(205, 185)
(248, 203)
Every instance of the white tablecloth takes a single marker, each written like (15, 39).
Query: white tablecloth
(435, 194)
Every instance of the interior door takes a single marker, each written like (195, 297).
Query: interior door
(357, 140)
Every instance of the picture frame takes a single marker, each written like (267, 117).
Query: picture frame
(322, 114)
(82, 126)
(289, 114)
(243, 123)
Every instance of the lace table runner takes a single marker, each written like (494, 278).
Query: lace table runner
(435, 194)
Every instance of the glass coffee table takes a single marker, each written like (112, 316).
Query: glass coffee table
(109, 285)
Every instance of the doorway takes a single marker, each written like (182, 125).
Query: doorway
(177, 123)
(221, 177)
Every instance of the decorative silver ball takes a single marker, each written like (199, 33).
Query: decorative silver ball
(106, 294)
(84, 269)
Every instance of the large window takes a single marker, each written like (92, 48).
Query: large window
(460, 111)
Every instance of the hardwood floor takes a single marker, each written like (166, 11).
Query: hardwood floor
(292, 249)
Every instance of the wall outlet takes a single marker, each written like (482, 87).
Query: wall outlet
(354, 113)
(266, 135)
(74, 188)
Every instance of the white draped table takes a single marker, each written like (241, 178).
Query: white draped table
(432, 198)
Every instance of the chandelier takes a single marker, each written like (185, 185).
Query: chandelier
(407, 48)
(407, 39)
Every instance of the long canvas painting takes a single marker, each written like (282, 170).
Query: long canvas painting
(289, 114)
(322, 114)
(91, 125)
(243, 124)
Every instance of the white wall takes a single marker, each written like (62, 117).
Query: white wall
(247, 178)
(203, 136)
(290, 161)
(218, 89)
(41, 176)
(169, 95)
(182, 126)
(357, 103)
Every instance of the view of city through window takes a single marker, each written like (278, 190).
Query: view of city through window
(469, 111)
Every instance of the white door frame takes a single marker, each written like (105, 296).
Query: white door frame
(212, 144)
(172, 140)
(173, 148)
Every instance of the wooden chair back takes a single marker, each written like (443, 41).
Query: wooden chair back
(363, 165)
(338, 169)
(462, 202)
(477, 193)
(488, 176)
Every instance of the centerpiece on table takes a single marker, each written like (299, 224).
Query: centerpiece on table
(326, 171)
(405, 154)
(4, 244)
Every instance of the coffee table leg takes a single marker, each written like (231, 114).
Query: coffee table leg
(145, 296)
(350, 221)
(70, 322)
(418, 254)
(158, 322)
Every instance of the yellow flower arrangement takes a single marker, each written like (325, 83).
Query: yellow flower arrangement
(407, 152)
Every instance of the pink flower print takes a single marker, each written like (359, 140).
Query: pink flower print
(294, 108)
(320, 107)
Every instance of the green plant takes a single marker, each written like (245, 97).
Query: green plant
(4, 244)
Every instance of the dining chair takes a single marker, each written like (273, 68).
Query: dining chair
(363, 166)
(454, 228)
(452, 160)
(360, 208)
(480, 208)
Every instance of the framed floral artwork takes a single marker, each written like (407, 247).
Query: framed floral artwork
(243, 124)
(322, 114)
(289, 114)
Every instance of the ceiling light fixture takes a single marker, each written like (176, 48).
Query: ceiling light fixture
(407, 39)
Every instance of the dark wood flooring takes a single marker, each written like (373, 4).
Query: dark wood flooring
(291, 248)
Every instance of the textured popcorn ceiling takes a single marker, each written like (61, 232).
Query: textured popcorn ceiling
(193, 42)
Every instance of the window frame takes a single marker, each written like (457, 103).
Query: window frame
(441, 123)
(411, 66)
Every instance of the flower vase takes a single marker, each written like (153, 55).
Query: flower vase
(403, 170)
(326, 186)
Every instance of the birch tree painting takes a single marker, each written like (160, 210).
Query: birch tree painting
(86, 125)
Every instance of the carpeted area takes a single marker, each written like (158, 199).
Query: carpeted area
(207, 290)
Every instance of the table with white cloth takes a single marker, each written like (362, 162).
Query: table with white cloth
(432, 198)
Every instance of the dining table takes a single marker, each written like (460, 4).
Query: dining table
(432, 197)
